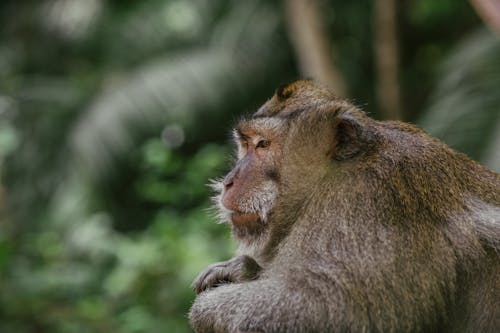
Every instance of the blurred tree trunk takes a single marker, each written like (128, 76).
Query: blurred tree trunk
(489, 11)
(310, 42)
(386, 59)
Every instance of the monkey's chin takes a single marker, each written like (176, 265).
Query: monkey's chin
(239, 218)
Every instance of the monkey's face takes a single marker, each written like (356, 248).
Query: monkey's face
(284, 151)
(250, 190)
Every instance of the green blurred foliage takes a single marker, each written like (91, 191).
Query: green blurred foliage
(83, 275)
(464, 109)
(114, 116)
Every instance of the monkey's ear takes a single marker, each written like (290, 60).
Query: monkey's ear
(351, 137)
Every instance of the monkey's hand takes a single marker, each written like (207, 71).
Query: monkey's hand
(238, 269)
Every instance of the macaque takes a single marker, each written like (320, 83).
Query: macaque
(348, 224)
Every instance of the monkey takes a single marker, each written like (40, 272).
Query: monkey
(349, 224)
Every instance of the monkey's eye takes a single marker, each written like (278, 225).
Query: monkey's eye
(263, 144)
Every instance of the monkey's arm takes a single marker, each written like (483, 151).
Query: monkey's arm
(238, 269)
(264, 305)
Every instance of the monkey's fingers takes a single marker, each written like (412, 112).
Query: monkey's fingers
(199, 284)
(212, 277)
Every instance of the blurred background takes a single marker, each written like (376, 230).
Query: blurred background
(114, 114)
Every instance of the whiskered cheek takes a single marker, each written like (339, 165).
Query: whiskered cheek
(266, 199)
(259, 200)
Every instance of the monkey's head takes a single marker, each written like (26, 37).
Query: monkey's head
(284, 150)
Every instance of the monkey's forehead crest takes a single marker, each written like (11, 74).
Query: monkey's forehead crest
(275, 105)
(292, 97)
(286, 90)
(305, 89)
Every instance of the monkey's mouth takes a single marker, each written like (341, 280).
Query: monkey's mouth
(241, 218)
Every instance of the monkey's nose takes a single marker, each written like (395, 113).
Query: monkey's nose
(230, 177)
(228, 182)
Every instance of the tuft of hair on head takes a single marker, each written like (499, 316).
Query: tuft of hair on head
(286, 90)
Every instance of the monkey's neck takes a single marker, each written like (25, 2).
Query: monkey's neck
(263, 243)
(256, 246)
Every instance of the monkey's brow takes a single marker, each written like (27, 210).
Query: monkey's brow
(239, 133)
(283, 115)
(263, 115)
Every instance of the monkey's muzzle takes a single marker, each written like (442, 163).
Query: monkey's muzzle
(240, 218)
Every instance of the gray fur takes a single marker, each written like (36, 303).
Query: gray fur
(373, 228)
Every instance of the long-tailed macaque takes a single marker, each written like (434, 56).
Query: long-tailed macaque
(348, 224)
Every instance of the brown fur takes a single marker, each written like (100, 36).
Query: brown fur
(375, 227)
